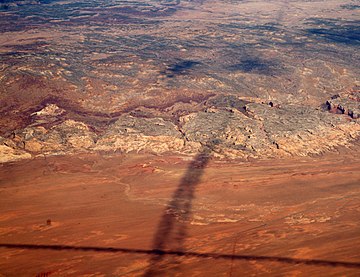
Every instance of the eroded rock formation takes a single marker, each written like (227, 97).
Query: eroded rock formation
(234, 127)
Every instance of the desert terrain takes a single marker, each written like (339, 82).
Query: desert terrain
(179, 138)
(96, 215)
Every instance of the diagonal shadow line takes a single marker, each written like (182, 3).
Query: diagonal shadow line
(56, 247)
(171, 231)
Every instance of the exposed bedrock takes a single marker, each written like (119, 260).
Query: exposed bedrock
(231, 126)
(345, 103)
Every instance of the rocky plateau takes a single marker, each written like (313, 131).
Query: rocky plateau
(234, 127)
(179, 138)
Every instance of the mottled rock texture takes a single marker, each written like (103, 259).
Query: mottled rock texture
(233, 127)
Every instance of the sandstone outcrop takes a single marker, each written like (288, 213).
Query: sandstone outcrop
(68, 136)
(233, 127)
(130, 133)
(345, 103)
(9, 154)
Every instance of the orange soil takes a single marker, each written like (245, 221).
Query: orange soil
(297, 217)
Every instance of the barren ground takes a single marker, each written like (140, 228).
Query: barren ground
(203, 217)
(179, 138)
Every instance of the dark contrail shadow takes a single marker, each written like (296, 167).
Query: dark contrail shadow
(171, 231)
(172, 228)
(157, 252)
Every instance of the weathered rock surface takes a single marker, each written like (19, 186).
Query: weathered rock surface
(130, 133)
(49, 110)
(299, 130)
(346, 103)
(231, 126)
(171, 76)
(8, 153)
(67, 136)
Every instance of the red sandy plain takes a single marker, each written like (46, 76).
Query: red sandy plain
(137, 215)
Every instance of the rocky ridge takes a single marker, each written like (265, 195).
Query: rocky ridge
(234, 127)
